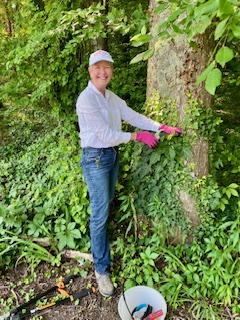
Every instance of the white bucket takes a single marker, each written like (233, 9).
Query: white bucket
(140, 295)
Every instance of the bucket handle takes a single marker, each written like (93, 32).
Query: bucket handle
(124, 298)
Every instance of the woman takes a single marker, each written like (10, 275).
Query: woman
(100, 114)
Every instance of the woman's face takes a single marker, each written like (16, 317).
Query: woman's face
(101, 73)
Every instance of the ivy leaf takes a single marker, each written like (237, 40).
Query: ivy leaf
(224, 55)
(213, 80)
(187, 153)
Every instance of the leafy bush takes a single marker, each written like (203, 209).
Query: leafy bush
(43, 192)
(160, 248)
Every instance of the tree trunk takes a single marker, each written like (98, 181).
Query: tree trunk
(8, 18)
(93, 44)
(172, 73)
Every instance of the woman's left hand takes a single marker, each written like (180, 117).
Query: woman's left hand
(170, 130)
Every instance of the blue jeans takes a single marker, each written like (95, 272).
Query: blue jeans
(100, 168)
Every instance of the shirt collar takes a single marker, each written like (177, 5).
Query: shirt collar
(93, 88)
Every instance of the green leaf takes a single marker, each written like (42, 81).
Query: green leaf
(196, 278)
(148, 54)
(174, 16)
(143, 56)
(160, 8)
(158, 44)
(144, 30)
(213, 80)
(62, 242)
(234, 192)
(236, 30)
(76, 233)
(172, 153)
(222, 206)
(233, 186)
(228, 193)
(71, 225)
(187, 153)
(225, 8)
(149, 262)
(208, 7)
(70, 241)
(224, 55)
(194, 45)
(141, 39)
(205, 73)
(203, 24)
(154, 255)
(220, 29)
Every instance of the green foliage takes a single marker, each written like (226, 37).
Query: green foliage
(32, 252)
(47, 65)
(42, 190)
(204, 273)
(192, 19)
(156, 249)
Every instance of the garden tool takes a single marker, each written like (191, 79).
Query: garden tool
(14, 314)
(161, 133)
(154, 315)
(141, 311)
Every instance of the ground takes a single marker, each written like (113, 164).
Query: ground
(14, 291)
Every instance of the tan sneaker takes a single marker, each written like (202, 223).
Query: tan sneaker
(105, 285)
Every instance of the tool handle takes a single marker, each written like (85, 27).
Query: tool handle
(76, 296)
(154, 315)
(39, 296)
(83, 293)
(161, 133)
(70, 278)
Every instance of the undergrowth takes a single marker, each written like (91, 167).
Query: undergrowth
(43, 195)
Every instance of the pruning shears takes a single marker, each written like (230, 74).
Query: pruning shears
(154, 315)
(15, 314)
(161, 133)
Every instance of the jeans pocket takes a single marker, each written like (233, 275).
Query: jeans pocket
(91, 156)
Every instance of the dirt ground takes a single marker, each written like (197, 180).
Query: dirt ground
(91, 307)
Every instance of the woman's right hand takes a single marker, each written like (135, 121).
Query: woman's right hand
(148, 138)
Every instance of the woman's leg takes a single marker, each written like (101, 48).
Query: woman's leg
(100, 169)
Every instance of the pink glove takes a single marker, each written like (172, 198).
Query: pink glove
(147, 138)
(170, 130)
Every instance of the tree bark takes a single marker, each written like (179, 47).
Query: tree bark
(172, 73)
(8, 19)
(94, 44)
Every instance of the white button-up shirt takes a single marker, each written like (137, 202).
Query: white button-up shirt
(100, 119)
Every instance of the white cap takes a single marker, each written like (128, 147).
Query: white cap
(100, 55)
